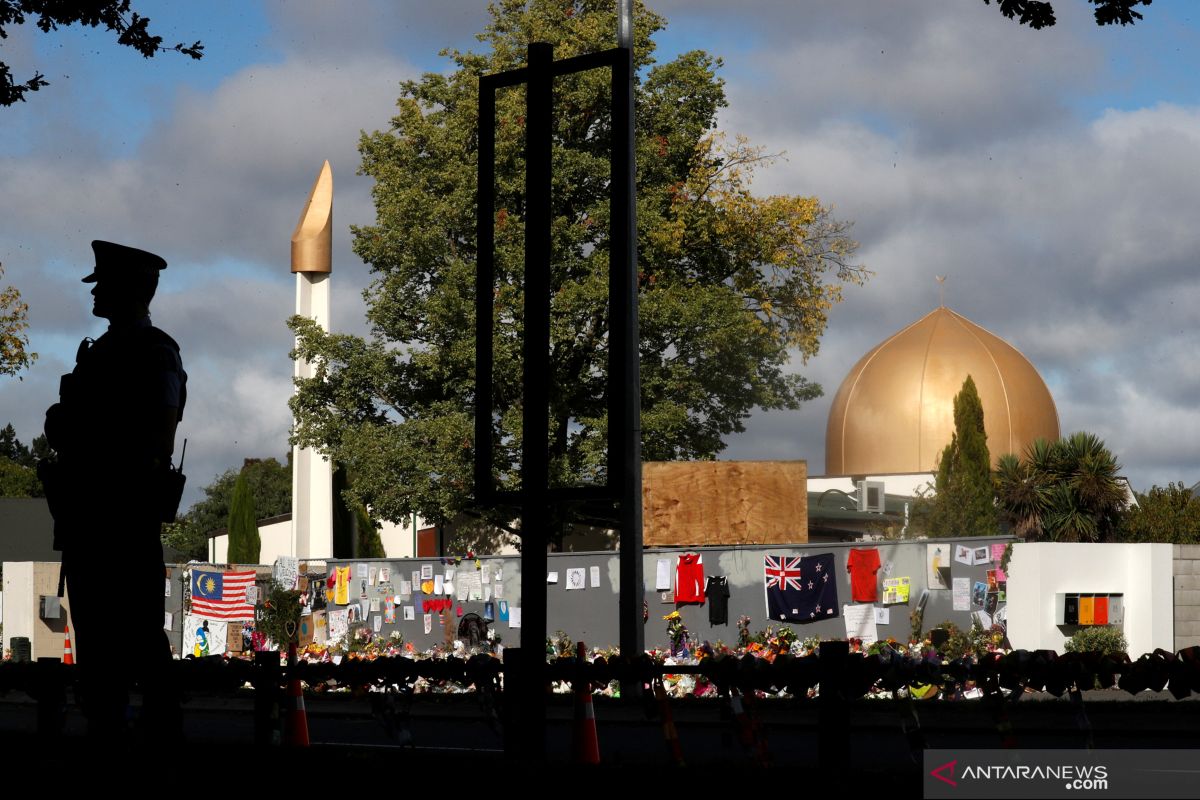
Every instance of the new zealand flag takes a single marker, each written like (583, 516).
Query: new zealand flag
(800, 588)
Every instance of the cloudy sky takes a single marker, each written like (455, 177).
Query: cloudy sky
(1051, 174)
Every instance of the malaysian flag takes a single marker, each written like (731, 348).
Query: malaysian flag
(222, 595)
(800, 588)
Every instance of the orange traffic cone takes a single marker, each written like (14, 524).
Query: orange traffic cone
(587, 743)
(68, 653)
(296, 721)
(670, 734)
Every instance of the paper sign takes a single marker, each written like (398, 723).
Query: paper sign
(410, 613)
(252, 595)
(360, 571)
(487, 593)
(372, 574)
(962, 594)
(514, 617)
(439, 585)
(499, 573)
(320, 627)
(963, 555)
(416, 577)
(489, 611)
(883, 616)
(981, 555)
(389, 612)
(364, 608)
(552, 577)
(498, 589)
(168, 590)
(385, 574)
(984, 619)
(1001, 576)
(860, 622)
(887, 568)
(428, 622)
(576, 578)
(662, 576)
(406, 588)
(376, 623)
(286, 571)
(374, 605)
(998, 552)
(166, 620)
(502, 608)
(979, 594)
(595, 577)
(485, 573)
(426, 572)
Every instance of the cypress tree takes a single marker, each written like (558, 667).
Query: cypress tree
(244, 542)
(965, 502)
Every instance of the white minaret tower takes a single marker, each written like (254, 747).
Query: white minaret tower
(312, 474)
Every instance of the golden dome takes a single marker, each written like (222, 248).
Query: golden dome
(894, 412)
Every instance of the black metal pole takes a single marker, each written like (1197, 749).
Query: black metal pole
(535, 416)
(625, 396)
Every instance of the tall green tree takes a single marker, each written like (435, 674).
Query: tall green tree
(244, 541)
(1063, 491)
(731, 285)
(964, 504)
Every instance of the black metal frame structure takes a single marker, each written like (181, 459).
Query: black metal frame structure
(535, 496)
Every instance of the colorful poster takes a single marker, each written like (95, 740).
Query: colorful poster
(896, 590)
(203, 637)
(979, 594)
(937, 561)
(389, 612)
(998, 552)
(502, 610)
(963, 554)
(385, 574)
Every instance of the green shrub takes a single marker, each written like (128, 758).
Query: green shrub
(1101, 639)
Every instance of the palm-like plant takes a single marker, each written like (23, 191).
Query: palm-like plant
(1064, 491)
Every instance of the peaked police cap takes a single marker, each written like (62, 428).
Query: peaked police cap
(120, 261)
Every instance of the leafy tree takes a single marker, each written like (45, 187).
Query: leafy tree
(1163, 514)
(1039, 14)
(18, 474)
(132, 30)
(244, 542)
(964, 504)
(730, 284)
(270, 484)
(17, 480)
(1063, 491)
(14, 321)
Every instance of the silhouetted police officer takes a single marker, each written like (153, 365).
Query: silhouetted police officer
(112, 486)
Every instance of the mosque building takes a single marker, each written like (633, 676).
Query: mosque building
(894, 414)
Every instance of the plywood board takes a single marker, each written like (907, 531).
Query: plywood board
(694, 503)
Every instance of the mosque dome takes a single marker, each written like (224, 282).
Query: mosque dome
(894, 412)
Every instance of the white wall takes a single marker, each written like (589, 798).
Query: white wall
(907, 484)
(275, 541)
(24, 584)
(399, 541)
(19, 611)
(1040, 570)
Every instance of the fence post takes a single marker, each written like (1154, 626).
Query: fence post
(833, 719)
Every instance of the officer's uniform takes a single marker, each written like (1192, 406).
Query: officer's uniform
(108, 431)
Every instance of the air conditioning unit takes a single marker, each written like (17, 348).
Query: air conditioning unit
(870, 497)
